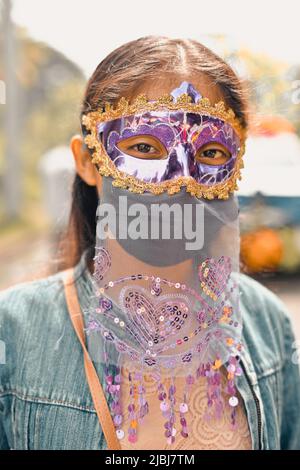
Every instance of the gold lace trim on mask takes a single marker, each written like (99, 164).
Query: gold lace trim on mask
(140, 105)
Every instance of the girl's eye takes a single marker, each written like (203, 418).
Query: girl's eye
(144, 147)
(213, 154)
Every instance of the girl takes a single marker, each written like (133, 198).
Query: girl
(151, 339)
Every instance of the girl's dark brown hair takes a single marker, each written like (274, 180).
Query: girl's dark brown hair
(121, 73)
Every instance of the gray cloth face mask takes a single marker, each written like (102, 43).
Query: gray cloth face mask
(162, 230)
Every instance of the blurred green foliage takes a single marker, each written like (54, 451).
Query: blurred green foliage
(271, 86)
(50, 91)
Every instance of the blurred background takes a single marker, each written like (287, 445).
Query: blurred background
(49, 48)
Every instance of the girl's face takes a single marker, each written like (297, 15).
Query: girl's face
(153, 89)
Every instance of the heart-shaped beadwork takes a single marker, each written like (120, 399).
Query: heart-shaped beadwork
(152, 321)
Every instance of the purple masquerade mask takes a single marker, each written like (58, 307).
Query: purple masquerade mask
(158, 146)
(178, 144)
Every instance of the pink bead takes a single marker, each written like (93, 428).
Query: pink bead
(132, 438)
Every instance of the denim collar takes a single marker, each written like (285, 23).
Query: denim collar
(84, 281)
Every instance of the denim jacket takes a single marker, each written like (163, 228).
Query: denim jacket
(45, 402)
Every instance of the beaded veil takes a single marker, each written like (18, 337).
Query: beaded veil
(166, 304)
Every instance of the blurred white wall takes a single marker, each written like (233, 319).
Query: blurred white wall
(57, 173)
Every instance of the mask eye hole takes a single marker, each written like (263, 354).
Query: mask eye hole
(145, 147)
(213, 153)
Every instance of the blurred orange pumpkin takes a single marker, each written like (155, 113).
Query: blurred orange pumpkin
(261, 250)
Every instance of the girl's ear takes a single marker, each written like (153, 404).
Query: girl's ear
(83, 163)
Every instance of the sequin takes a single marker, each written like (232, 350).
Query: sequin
(233, 401)
(164, 406)
(183, 408)
(118, 420)
(120, 434)
(133, 424)
(132, 438)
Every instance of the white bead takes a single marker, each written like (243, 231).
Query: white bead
(116, 320)
(183, 408)
(120, 434)
(233, 401)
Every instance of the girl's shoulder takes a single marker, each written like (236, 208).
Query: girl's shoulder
(39, 345)
(32, 309)
(267, 326)
(260, 302)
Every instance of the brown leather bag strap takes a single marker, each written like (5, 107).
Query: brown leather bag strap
(96, 389)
